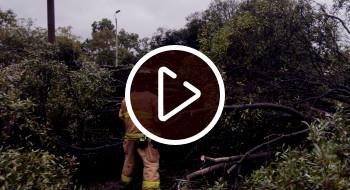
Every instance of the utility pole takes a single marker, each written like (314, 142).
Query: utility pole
(116, 37)
(51, 20)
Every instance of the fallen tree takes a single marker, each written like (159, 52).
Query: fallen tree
(234, 163)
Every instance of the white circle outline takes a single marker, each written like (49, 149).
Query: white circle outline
(218, 78)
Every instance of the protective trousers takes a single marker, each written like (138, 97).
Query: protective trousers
(150, 158)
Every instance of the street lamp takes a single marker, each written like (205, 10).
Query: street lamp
(116, 37)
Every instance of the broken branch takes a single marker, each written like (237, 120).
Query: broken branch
(209, 169)
(239, 163)
(222, 162)
(234, 158)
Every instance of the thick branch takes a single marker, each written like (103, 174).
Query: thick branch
(264, 144)
(239, 163)
(340, 20)
(222, 162)
(209, 169)
(234, 158)
(86, 149)
(277, 107)
(334, 17)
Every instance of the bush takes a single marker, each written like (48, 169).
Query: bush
(50, 94)
(44, 88)
(35, 170)
(325, 165)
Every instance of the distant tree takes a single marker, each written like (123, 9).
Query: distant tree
(102, 44)
(187, 36)
(68, 45)
(7, 18)
(218, 13)
(130, 48)
(102, 25)
(18, 39)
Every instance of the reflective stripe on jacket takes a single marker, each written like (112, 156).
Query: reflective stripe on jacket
(140, 114)
(150, 184)
(134, 136)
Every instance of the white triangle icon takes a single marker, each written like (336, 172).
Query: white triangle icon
(161, 116)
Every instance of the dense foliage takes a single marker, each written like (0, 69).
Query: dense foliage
(48, 94)
(62, 98)
(323, 165)
(35, 170)
(294, 53)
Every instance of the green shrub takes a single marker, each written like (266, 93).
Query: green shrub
(35, 170)
(41, 92)
(325, 165)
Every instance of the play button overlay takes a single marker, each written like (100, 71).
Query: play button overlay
(161, 116)
(182, 91)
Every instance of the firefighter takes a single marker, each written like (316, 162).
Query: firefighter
(136, 144)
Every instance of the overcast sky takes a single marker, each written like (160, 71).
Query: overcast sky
(139, 16)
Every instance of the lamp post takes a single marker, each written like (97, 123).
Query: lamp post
(116, 37)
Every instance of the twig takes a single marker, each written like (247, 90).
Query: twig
(315, 97)
(319, 110)
(326, 94)
(87, 149)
